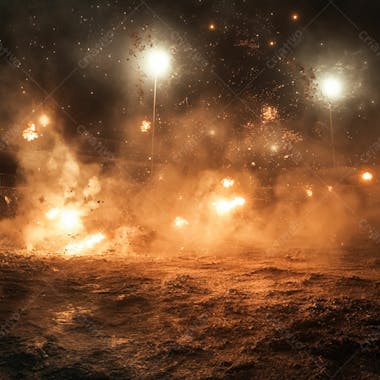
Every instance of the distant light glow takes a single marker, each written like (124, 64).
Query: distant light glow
(158, 62)
(212, 27)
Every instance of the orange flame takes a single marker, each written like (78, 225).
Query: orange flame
(87, 243)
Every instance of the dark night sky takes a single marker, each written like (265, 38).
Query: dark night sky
(107, 96)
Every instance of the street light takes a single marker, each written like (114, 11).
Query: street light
(332, 89)
(158, 63)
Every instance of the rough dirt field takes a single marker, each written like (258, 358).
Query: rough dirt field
(301, 315)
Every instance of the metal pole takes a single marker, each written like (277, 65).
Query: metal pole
(332, 136)
(153, 124)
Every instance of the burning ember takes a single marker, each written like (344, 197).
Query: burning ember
(180, 222)
(367, 176)
(145, 126)
(30, 133)
(228, 182)
(224, 206)
(87, 243)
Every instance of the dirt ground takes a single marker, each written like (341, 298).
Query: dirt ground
(301, 314)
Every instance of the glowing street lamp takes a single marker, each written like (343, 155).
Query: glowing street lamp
(332, 89)
(158, 63)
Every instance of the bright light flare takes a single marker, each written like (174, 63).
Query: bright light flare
(212, 27)
(158, 62)
(145, 126)
(44, 120)
(228, 182)
(30, 133)
(180, 222)
(87, 243)
(331, 87)
(225, 206)
(367, 176)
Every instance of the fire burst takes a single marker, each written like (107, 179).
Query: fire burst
(224, 206)
(180, 222)
(228, 182)
(30, 133)
(68, 220)
(145, 126)
(87, 243)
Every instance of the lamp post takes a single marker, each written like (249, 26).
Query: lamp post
(158, 64)
(332, 90)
